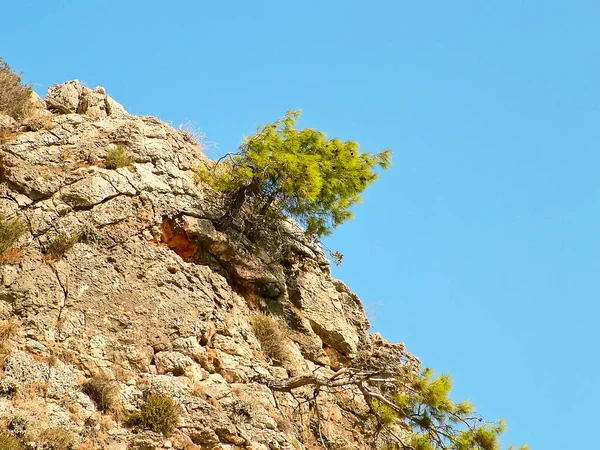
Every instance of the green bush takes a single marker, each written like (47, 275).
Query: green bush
(15, 97)
(10, 231)
(158, 413)
(7, 442)
(118, 157)
(272, 336)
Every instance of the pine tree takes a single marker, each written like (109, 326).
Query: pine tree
(422, 403)
(405, 409)
(299, 173)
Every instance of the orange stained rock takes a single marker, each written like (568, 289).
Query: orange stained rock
(177, 240)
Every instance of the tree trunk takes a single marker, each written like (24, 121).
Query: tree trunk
(233, 210)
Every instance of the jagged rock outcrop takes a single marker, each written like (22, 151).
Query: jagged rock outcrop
(122, 275)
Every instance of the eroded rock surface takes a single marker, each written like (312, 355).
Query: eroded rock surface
(150, 294)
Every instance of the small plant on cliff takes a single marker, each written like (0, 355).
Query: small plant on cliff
(158, 413)
(15, 97)
(272, 336)
(61, 244)
(105, 393)
(10, 232)
(57, 438)
(191, 133)
(300, 173)
(8, 442)
(118, 157)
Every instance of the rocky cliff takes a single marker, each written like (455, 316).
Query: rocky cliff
(122, 286)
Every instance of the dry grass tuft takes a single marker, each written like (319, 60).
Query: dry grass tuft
(7, 135)
(15, 97)
(118, 157)
(88, 233)
(104, 393)
(272, 335)
(25, 394)
(10, 330)
(192, 134)
(61, 244)
(10, 232)
(57, 438)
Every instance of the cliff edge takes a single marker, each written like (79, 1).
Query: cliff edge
(122, 286)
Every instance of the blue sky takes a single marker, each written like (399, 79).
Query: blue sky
(481, 241)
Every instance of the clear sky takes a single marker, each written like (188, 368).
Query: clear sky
(481, 243)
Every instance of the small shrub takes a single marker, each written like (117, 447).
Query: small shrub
(118, 157)
(158, 413)
(88, 233)
(338, 258)
(104, 393)
(10, 232)
(61, 244)
(272, 336)
(8, 442)
(57, 438)
(15, 97)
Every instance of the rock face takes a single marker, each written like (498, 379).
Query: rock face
(72, 97)
(122, 275)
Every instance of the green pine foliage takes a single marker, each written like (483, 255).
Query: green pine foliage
(422, 404)
(300, 173)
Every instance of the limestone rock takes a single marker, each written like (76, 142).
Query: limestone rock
(173, 362)
(327, 311)
(155, 297)
(71, 97)
(64, 98)
(7, 122)
(88, 192)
